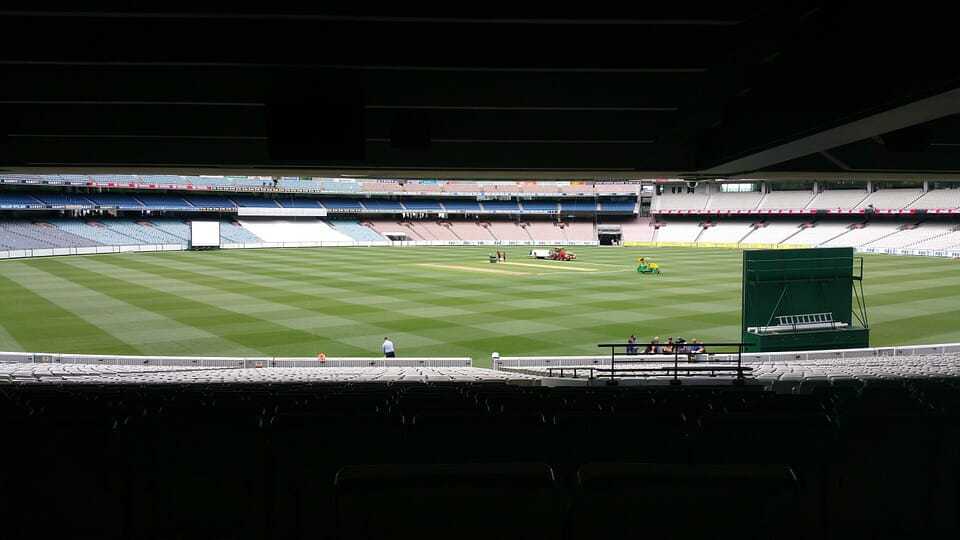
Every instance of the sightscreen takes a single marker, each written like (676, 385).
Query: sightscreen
(802, 299)
(204, 234)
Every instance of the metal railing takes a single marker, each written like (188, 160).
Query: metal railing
(613, 372)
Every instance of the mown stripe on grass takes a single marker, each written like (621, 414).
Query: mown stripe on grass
(147, 330)
(227, 322)
(7, 341)
(40, 325)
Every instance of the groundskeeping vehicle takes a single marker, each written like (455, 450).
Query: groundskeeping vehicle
(554, 254)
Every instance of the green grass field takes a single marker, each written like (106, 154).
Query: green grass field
(430, 301)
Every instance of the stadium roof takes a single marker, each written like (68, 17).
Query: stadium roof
(777, 90)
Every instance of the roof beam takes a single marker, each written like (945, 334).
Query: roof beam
(911, 114)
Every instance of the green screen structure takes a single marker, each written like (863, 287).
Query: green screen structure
(803, 299)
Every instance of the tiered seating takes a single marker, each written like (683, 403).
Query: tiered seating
(546, 231)
(578, 206)
(178, 229)
(846, 458)
(890, 198)
(164, 179)
(818, 234)
(508, 231)
(210, 201)
(142, 232)
(165, 202)
(422, 205)
(578, 231)
(938, 198)
(254, 202)
(680, 201)
(341, 186)
(381, 186)
(949, 240)
(63, 199)
(424, 186)
(833, 199)
(734, 201)
(46, 233)
(121, 201)
(786, 200)
(501, 206)
(533, 187)
(773, 233)
(437, 230)
(345, 204)
(467, 230)
(98, 232)
(726, 232)
(461, 187)
(678, 232)
(540, 206)
(413, 231)
(382, 205)
(234, 233)
(461, 206)
(18, 200)
(909, 236)
(298, 203)
(308, 230)
(857, 237)
(638, 230)
(357, 231)
(298, 183)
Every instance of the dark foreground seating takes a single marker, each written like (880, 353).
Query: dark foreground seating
(463, 501)
(478, 460)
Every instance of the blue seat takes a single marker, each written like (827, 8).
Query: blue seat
(341, 203)
(461, 206)
(299, 203)
(578, 206)
(382, 204)
(255, 202)
(422, 205)
(501, 206)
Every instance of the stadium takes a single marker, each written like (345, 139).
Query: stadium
(474, 292)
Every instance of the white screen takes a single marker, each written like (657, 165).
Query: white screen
(205, 234)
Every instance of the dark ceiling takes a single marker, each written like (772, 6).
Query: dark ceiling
(797, 89)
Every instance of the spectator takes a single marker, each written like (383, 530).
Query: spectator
(696, 347)
(322, 356)
(632, 344)
(389, 351)
(653, 347)
(668, 348)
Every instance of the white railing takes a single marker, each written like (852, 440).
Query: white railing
(410, 243)
(952, 253)
(229, 361)
(93, 250)
(511, 362)
(52, 252)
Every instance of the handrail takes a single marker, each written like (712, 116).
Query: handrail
(676, 357)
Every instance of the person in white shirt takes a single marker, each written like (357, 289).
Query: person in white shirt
(388, 349)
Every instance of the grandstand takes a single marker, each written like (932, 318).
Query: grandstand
(499, 191)
(257, 313)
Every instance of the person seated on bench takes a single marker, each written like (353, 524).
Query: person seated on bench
(696, 347)
(653, 347)
(632, 344)
(668, 348)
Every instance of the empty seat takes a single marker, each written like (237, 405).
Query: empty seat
(652, 500)
(461, 501)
